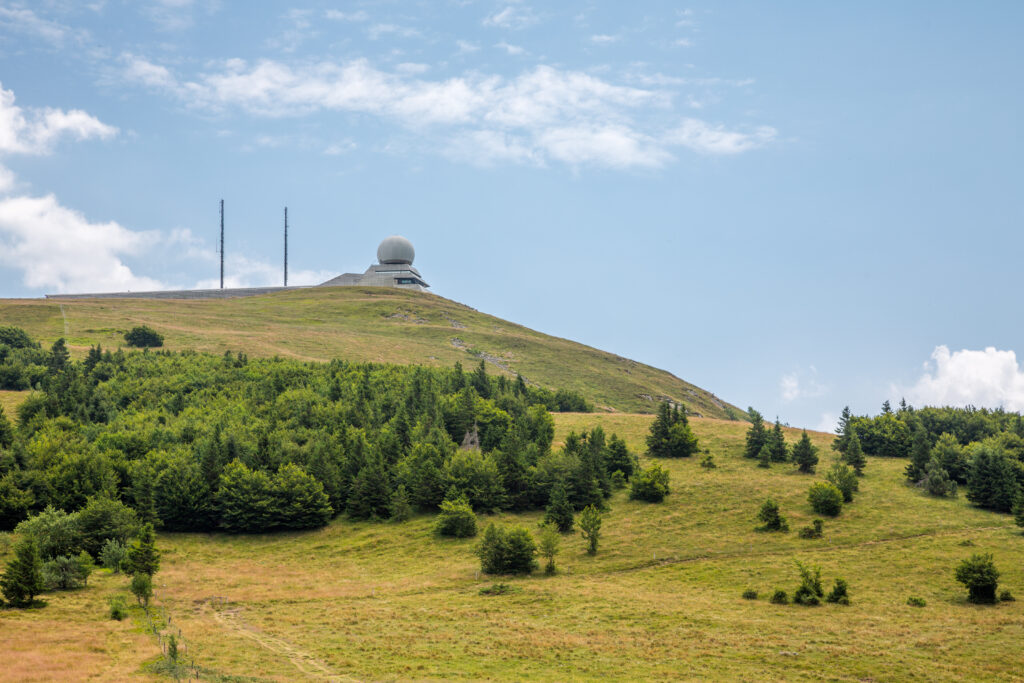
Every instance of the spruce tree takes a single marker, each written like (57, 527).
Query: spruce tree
(843, 431)
(559, 510)
(805, 455)
(401, 508)
(657, 439)
(920, 454)
(6, 431)
(777, 444)
(757, 435)
(1018, 510)
(23, 580)
(590, 527)
(764, 456)
(143, 557)
(854, 456)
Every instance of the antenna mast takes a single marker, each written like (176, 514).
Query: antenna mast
(286, 246)
(222, 244)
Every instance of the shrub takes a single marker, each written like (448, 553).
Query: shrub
(618, 480)
(118, 610)
(937, 480)
(559, 510)
(506, 551)
(809, 592)
(779, 597)
(915, 601)
(590, 527)
(400, 508)
(66, 573)
(143, 336)
(113, 555)
(839, 594)
(764, 456)
(979, 574)
(708, 463)
(812, 531)
(1006, 596)
(548, 542)
(142, 588)
(750, 594)
(497, 589)
(456, 519)
(104, 518)
(651, 485)
(770, 517)
(825, 498)
(845, 479)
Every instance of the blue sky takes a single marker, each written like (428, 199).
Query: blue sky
(795, 205)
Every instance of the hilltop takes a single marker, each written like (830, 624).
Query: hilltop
(370, 325)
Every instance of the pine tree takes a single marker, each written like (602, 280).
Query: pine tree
(657, 439)
(764, 456)
(6, 430)
(143, 557)
(805, 455)
(757, 435)
(59, 356)
(559, 510)
(590, 527)
(854, 456)
(480, 381)
(548, 542)
(843, 431)
(1018, 510)
(777, 444)
(920, 454)
(401, 508)
(23, 580)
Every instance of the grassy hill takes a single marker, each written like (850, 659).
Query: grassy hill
(365, 324)
(661, 599)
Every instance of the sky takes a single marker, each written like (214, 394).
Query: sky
(798, 206)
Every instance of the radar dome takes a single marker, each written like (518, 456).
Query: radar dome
(396, 249)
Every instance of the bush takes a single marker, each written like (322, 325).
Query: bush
(66, 573)
(651, 485)
(839, 594)
(400, 508)
(845, 479)
(708, 463)
(497, 589)
(825, 498)
(113, 555)
(143, 336)
(770, 517)
(142, 588)
(809, 592)
(456, 519)
(915, 601)
(750, 594)
(590, 527)
(779, 597)
(1006, 596)
(618, 480)
(548, 542)
(118, 610)
(812, 531)
(979, 574)
(506, 551)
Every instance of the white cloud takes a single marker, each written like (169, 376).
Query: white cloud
(26, 21)
(466, 47)
(378, 30)
(683, 42)
(616, 146)
(34, 131)
(513, 50)
(705, 138)
(512, 17)
(603, 39)
(176, 15)
(59, 249)
(801, 384)
(989, 378)
(827, 423)
(336, 15)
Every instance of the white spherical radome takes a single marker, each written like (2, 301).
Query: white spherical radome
(396, 249)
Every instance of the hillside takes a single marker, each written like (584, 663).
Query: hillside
(366, 324)
(660, 600)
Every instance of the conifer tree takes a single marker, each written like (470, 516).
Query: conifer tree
(143, 557)
(559, 510)
(59, 356)
(777, 444)
(757, 435)
(23, 580)
(590, 527)
(920, 454)
(764, 456)
(657, 439)
(843, 431)
(853, 455)
(1018, 510)
(548, 542)
(805, 455)
(6, 430)
(400, 508)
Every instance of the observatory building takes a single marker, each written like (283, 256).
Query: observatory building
(393, 269)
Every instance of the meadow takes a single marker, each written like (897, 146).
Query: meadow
(661, 599)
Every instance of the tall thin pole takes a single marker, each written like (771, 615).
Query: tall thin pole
(222, 244)
(286, 246)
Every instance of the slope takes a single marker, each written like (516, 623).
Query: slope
(366, 324)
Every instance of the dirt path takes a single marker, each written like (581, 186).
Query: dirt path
(309, 665)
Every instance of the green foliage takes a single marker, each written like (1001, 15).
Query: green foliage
(920, 454)
(66, 573)
(143, 557)
(118, 610)
(141, 587)
(845, 479)
(757, 435)
(650, 485)
(937, 481)
(770, 518)
(400, 508)
(750, 594)
(951, 456)
(55, 532)
(805, 454)
(1006, 596)
(497, 589)
(113, 555)
(979, 575)
(559, 511)
(812, 531)
(780, 597)
(844, 433)
(854, 455)
(548, 541)
(1018, 510)
(506, 551)
(886, 435)
(764, 456)
(23, 579)
(16, 338)
(618, 480)
(915, 601)
(839, 594)
(619, 459)
(102, 519)
(777, 449)
(708, 463)
(809, 592)
(825, 498)
(143, 336)
(254, 501)
(456, 519)
(590, 527)
(670, 434)
(15, 502)
(992, 480)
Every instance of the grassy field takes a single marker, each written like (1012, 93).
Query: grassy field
(660, 600)
(363, 324)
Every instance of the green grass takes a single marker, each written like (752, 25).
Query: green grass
(363, 324)
(661, 599)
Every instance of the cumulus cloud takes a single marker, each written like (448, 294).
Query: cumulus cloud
(59, 249)
(34, 131)
(556, 114)
(990, 378)
(801, 384)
